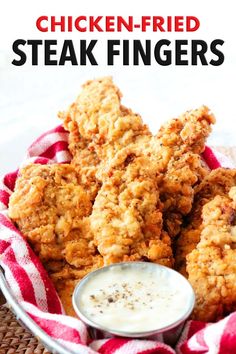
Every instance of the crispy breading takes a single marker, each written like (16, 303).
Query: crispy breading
(127, 213)
(177, 148)
(188, 132)
(212, 265)
(217, 182)
(100, 126)
(51, 209)
(48, 206)
(177, 189)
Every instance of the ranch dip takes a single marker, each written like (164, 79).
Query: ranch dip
(134, 299)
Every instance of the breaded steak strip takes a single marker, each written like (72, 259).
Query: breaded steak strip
(177, 189)
(127, 213)
(177, 148)
(100, 126)
(188, 132)
(48, 205)
(51, 209)
(217, 182)
(212, 265)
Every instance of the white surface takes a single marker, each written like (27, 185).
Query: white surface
(30, 97)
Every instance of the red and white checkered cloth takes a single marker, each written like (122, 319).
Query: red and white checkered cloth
(34, 291)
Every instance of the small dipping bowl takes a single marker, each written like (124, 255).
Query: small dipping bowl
(134, 299)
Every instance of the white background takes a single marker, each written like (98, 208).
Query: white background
(30, 97)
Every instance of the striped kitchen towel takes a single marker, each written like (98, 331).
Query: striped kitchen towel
(35, 292)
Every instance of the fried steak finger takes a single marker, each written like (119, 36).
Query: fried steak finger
(211, 266)
(100, 126)
(51, 209)
(177, 148)
(217, 182)
(127, 213)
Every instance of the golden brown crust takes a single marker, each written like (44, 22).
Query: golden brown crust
(212, 265)
(127, 213)
(51, 209)
(100, 126)
(177, 147)
(217, 182)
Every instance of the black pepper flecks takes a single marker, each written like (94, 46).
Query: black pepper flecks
(125, 293)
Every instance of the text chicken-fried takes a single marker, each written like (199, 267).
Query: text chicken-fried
(212, 265)
(127, 213)
(217, 182)
(51, 209)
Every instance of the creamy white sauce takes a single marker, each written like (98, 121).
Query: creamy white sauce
(135, 300)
